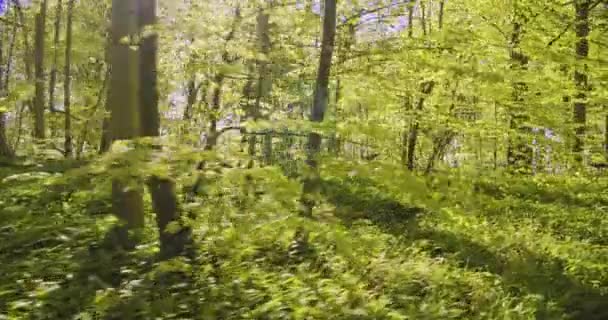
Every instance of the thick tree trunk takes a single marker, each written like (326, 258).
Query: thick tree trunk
(320, 101)
(124, 102)
(166, 205)
(39, 98)
(150, 117)
(580, 76)
(162, 190)
(67, 94)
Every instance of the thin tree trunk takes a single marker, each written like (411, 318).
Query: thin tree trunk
(427, 89)
(53, 80)
(85, 127)
(264, 81)
(67, 94)
(321, 97)
(441, 10)
(519, 153)
(9, 60)
(606, 136)
(192, 90)
(580, 76)
(410, 19)
(39, 98)
(216, 98)
(423, 16)
(429, 17)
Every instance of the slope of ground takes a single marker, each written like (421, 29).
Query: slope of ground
(382, 245)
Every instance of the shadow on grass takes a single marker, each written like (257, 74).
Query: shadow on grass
(542, 193)
(521, 270)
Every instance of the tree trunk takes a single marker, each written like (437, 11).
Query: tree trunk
(9, 60)
(423, 16)
(124, 102)
(85, 128)
(264, 80)
(5, 148)
(427, 89)
(150, 117)
(519, 153)
(321, 97)
(192, 90)
(580, 76)
(441, 11)
(162, 190)
(410, 19)
(53, 80)
(67, 80)
(166, 205)
(606, 136)
(39, 98)
(216, 98)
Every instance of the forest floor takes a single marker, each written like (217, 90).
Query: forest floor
(383, 245)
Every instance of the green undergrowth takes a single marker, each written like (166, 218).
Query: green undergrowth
(383, 244)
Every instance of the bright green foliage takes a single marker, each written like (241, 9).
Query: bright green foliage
(462, 234)
(497, 249)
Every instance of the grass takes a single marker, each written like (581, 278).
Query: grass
(383, 245)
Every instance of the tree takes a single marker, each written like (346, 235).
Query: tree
(53, 80)
(581, 8)
(319, 107)
(123, 99)
(39, 98)
(67, 82)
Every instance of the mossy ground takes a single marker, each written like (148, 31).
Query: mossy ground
(383, 245)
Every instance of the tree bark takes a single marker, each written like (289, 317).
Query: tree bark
(427, 89)
(67, 82)
(53, 80)
(519, 152)
(410, 19)
(264, 80)
(166, 205)
(39, 98)
(216, 98)
(123, 100)
(441, 11)
(320, 101)
(582, 29)
(5, 148)
(150, 117)
(85, 127)
(162, 190)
